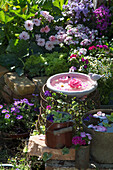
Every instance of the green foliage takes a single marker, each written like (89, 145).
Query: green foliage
(65, 151)
(56, 63)
(34, 65)
(46, 156)
(110, 117)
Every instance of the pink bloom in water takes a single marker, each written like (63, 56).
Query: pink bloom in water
(75, 83)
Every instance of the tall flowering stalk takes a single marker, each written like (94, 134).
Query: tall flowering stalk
(102, 15)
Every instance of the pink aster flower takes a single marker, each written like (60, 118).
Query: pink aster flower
(75, 83)
(24, 35)
(1, 106)
(47, 29)
(7, 116)
(41, 42)
(4, 111)
(29, 25)
(36, 22)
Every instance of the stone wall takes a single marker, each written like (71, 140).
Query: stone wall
(12, 86)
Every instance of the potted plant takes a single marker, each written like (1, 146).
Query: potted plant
(17, 118)
(82, 143)
(58, 129)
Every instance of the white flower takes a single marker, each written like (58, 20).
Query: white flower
(24, 35)
(41, 42)
(44, 13)
(82, 51)
(36, 22)
(49, 45)
(29, 25)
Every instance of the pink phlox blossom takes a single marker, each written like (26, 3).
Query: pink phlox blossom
(36, 22)
(41, 42)
(92, 47)
(49, 45)
(29, 25)
(42, 30)
(52, 38)
(24, 35)
(47, 29)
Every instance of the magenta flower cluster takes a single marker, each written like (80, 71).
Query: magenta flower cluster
(82, 139)
(102, 15)
(78, 10)
(98, 46)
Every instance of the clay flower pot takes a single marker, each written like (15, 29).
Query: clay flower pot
(82, 157)
(58, 135)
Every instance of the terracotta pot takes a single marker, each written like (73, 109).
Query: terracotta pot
(82, 157)
(101, 148)
(58, 135)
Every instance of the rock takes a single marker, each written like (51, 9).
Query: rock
(37, 147)
(39, 82)
(9, 96)
(3, 70)
(19, 85)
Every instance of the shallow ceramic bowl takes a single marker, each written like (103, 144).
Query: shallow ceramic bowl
(92, 85)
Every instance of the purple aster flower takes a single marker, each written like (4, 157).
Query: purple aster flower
(12, 109)
(47, 93)
(1, 106)
(4, 111)
(7, 116)
(30, 104)
(17, 110)
(19, 117)
(83, 134)
(34, 94)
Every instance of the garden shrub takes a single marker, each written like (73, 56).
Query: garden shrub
(56, 63)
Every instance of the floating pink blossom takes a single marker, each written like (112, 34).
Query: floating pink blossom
(75, 83)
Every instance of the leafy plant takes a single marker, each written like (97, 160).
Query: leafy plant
(65, 151)
(110, 117)
(56, 63)
(34, 65)
(46, 156)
